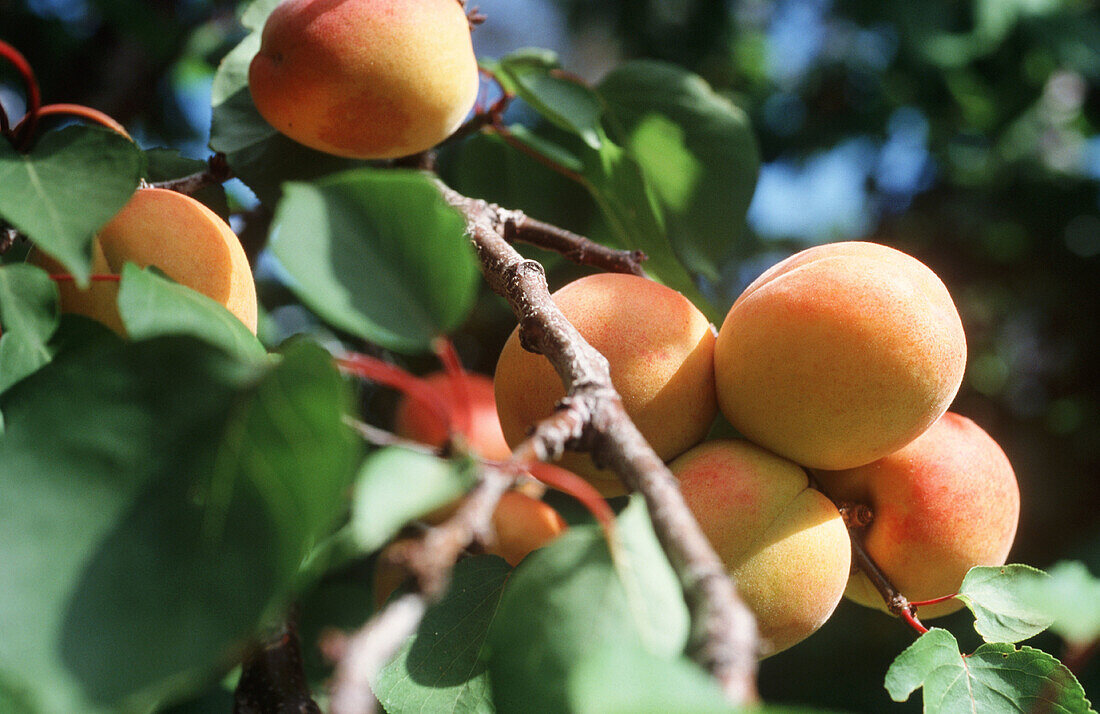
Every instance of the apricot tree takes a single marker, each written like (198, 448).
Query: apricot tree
(204, 508)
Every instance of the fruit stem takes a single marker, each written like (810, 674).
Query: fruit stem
(462, 416)
(933, 601)
(77, 110)
(34, 95)
(910, 618)
(94, 277)
(573, 485)
(393, 376)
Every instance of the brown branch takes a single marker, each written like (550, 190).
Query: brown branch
(724, 636)
(217, 171)
(272, 679)
(522, 228)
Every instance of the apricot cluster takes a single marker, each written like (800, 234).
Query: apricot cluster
(837, 367)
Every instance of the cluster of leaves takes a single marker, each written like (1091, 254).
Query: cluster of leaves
(167, 495)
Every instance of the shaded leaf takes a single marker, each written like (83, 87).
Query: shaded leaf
(152, 305)
(533, 75)
(28, 317)
(998, 598)
(442, 668)
(71, 183)
(570, 598)
(697, 152)
(378, 253)
(396, 486)
(169, 164)
(1069, 596)
(996, 678)
(158, 498)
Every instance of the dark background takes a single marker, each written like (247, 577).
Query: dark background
(964, 133)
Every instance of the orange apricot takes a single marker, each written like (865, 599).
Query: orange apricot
(783, 542)
(941, 505)
(660, 349)
(474, 395)
(367, 79)
(178, 235)
(840, 355)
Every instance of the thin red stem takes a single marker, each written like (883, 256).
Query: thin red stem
(95, 277)
(913, 622)
(462, 411)
(78, 110)
(933, 601)
(570, 483)
(34, 95)
(393, 376)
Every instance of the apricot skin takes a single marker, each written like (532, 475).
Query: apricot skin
(943, 504)
(783, 542)
(484, 437)
(660, 349)
(840, 355)
(366, 79)
(178, 235)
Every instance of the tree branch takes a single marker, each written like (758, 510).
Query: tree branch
(724, 636)
(217, 171)
(272, 679)
(519, 227)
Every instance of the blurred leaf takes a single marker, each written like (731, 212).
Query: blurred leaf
(697, 152)
(998, 598)
(396, 486)
(569, 598)
(169, 164)
(1069, 596)
(158, 498)
(152, 305)
(255, 15)
(260, 156)
(442, 667)
(996, 678)
(534, 74)
(378, 253)
(28, 318)
(71, 183)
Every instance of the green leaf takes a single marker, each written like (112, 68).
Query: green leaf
(260, 156)
(996, 678)
(158, 499)
(396, 486)
(698, 154)
(442, 668)
(152, 305)
(256, 14)
(71, 183)
(1069, 596)
(569, 105)
(998, 598)
(378, 253)
(28, 318)
(570, 598)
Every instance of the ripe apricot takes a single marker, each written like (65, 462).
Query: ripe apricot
(660, 349)
(178, 235)
(840, 355)
(523, 524)
(783, 542)
(475, 393)
(941, 505)
(367, 79)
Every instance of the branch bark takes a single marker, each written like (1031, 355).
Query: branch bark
(724, 635)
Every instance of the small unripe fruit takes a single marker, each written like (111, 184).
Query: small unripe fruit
(660, 349)
(483, 436)
(941, 505)
(179, 235)
(840, 355)
(783, 542)
(367, 79)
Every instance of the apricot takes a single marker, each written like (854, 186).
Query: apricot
(660, 349)
(366, 79)
(840, 355)
(783, 542)
(178, 235)
(941, 505)
(413, 420)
